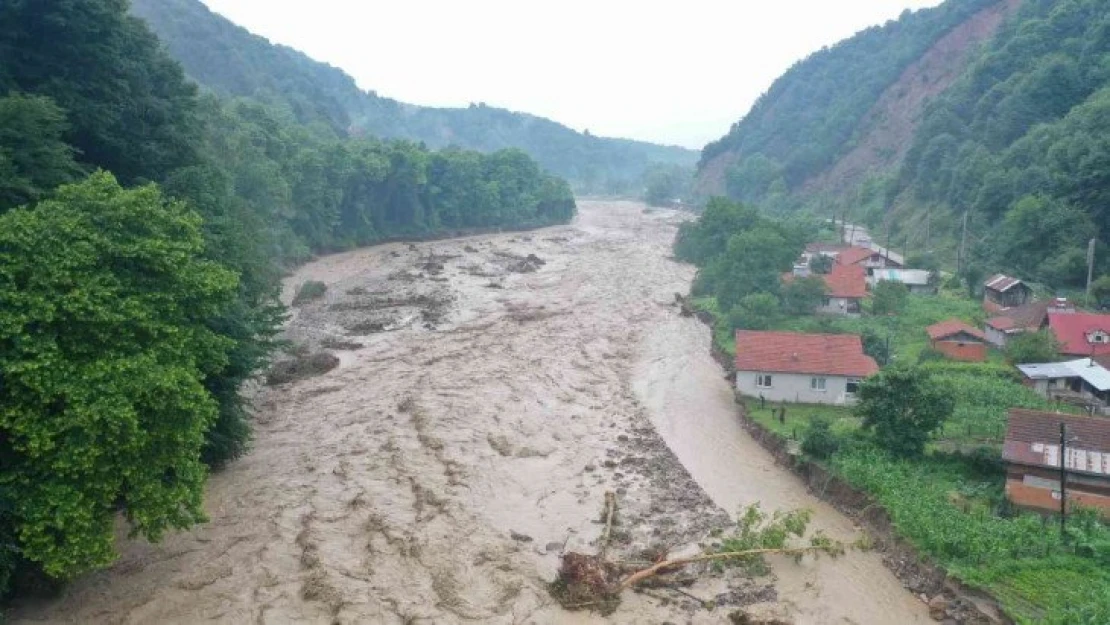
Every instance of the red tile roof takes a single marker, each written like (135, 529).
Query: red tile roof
(951, 327)
(791, 352)
(1033, 438)
(1029, 316)
(1071, 329)
(1002, 283)
(847, 281)
(854, 255)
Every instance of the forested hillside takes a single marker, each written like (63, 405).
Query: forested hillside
(1000, 111)
(231, 61)
(143, 229)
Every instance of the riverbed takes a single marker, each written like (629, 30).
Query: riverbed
(490, 390)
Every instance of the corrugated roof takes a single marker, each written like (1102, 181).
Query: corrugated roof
(1033, 438)
(951, 327)
(793, 352)
(848, 281)
(1002, 283)
(1090, 371)
(1029, 316)
(1072, 328)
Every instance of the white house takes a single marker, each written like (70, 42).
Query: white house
(1082, 382)
(916, 280)
(802, 368)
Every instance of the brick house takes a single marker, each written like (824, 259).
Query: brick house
(958, 341)
(1031, 452)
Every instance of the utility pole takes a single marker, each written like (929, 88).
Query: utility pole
(960, 260)
(1063, 481)
(1090, 268)
(928, 222)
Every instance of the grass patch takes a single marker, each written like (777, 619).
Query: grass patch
(798, 417)
(309, 291)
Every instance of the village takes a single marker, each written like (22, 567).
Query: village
(997, 465)
(825, 369)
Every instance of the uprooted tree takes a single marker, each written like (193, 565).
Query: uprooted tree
(595, 581)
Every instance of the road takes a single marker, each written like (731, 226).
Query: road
(484, 403)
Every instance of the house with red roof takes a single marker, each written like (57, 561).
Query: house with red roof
(867, 258)
(803, 368)
(1081, 334)
(846, 287)
(958, 340)
(1028, 317)
(1032, 453)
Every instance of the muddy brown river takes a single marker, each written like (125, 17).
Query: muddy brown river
(490, 390)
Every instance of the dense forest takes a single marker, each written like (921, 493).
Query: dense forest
(231, 61)
(144, 227)
(1017, 141)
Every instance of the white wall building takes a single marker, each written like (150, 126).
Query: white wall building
(801, 368)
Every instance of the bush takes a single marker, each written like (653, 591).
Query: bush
(309, 291)
(930, 355)
(819, 440)
(903, 406)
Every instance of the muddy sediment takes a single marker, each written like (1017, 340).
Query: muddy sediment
(467, 437)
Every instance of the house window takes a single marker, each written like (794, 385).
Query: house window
(1099, 336)
(853, 386)
(817, 384)
(763, 380)
(827, 302)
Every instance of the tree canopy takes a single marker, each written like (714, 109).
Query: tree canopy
(104, 350)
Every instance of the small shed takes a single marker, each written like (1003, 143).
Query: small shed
(1001, 292)
(958, 340)
(1032, 455)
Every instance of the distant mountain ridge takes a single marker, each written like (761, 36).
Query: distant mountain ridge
(230, 60)
(997, 110)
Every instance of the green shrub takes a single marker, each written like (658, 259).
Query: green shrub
(819, 439)
(930, 355)
(309, 291)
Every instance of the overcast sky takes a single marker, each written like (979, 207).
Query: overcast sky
(669, 72)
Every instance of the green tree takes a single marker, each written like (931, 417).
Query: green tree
(801, 296)
(1039, 346)
(756, 311)
(889, 298)
(131, 110)
(33, 157)
(105, 346)
(903, 406)
(1100, 292)
(821, 264)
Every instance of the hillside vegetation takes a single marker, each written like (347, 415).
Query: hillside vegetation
(144, 228)
(1015, 136)
(230, 60)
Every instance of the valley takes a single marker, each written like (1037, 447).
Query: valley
(466, 440)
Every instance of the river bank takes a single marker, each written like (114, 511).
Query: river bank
(490, 390)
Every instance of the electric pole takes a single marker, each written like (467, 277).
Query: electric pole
(960, 259)
(1090, 268)
(1063, 481)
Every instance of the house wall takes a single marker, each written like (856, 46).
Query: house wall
(795, 387)
(962, 350)
(1038, 488)
(996, 337)
(840, 306)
